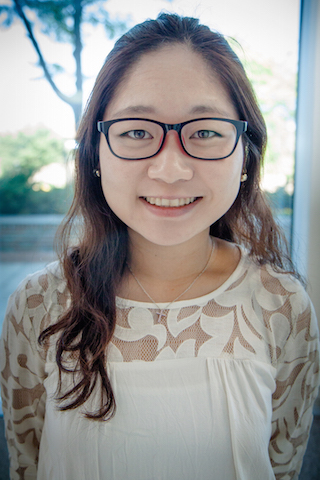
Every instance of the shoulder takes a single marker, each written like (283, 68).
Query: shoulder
(264, 291)
(49, 279)
(40, 299)
(281, 300)
(271, 282)
(41, 284)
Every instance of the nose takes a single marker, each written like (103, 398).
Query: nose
(171, 164)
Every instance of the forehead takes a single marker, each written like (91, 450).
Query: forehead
(171, 84)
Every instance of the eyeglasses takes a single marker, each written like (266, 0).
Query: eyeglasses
(203, 138)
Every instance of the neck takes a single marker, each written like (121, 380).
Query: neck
(165, 271)
(169, 263)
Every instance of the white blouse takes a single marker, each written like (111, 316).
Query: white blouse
(221, 388)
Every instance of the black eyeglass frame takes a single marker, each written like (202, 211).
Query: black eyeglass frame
(240, 125)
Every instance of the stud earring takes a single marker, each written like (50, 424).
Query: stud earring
(96, 172)
(244, 176)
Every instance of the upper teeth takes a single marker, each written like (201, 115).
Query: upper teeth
(166, 202)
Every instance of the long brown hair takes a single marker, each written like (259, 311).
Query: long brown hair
(94, 268)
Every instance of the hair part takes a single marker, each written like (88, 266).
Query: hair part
(94, 268)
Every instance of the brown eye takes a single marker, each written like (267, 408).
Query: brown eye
(137, 134)
(204, 134)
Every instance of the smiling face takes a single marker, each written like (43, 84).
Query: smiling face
(170, 198)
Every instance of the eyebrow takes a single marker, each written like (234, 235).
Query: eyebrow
(196, 110)
(134, 110)
(203, 109)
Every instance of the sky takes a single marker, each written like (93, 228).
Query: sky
(264, 30)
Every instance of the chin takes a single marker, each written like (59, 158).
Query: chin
(168, 237)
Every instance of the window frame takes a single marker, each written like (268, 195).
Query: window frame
(306, 200)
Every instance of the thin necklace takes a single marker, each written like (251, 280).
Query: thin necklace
(160, 310)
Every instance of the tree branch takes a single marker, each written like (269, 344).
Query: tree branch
(62, 96)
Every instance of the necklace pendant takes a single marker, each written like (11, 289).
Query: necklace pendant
(160, 315)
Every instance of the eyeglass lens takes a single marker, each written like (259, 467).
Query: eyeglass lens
(138, 139)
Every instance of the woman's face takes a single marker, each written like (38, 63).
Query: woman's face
(171, 85)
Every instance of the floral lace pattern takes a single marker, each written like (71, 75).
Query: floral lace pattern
(256, 315)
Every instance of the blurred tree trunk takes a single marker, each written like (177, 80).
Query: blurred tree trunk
(63, 19)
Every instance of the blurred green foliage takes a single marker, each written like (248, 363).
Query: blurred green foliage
(21, 156)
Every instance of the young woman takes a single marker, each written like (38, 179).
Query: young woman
(173, 340)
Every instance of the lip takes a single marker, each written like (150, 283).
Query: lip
(170, 211)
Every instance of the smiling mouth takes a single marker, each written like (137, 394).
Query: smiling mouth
(166, 202)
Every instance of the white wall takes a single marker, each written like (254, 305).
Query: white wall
(306, 216)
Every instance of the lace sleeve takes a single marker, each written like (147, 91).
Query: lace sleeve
(22, 375)
(296, 389)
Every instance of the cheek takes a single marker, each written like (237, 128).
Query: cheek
(225, 176)
(119, 179)
(109, 165)
(112, 182)
(113, 191)
(109, 173)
